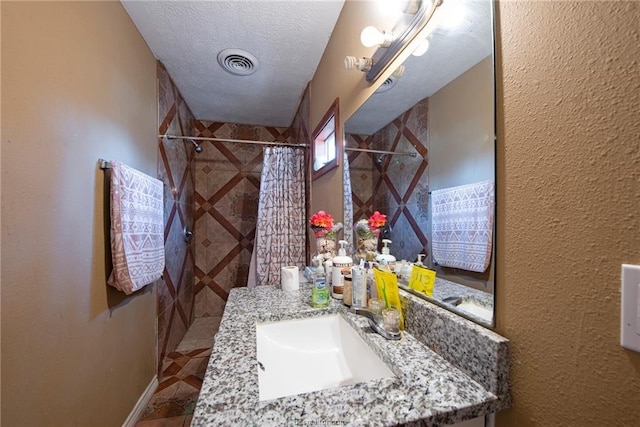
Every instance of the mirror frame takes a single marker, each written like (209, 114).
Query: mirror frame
(330, 121)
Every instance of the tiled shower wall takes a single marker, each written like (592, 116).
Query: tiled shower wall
(175, 290)
(397, 185)
(227, 184)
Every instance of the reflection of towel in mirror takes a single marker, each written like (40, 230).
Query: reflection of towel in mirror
(137, 228)
(462, 225)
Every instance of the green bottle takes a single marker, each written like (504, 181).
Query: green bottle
(320, 293)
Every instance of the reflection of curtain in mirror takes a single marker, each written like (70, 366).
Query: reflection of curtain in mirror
(280, 230)
(348, 203)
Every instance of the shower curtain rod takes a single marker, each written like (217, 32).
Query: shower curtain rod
(275, 143)
(236, 141)
(392, 153)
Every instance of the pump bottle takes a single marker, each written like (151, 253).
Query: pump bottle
(319, 293)
(341, 266)
(386, 256)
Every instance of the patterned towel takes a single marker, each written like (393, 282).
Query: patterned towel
(137, 228)
(462, 225)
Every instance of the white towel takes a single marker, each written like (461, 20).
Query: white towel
(462, 226)
(137, 228)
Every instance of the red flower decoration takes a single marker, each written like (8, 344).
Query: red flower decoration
(377, 220)
(322, 220)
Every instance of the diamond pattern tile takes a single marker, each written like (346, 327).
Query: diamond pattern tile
(397, 186)
(226, 206)
(175, 292)
(215, 193)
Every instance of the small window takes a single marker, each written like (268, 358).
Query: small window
(327, 142)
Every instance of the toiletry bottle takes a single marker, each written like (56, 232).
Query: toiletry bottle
(341, 267)
(347, 290)
(408, 268)
(400, 269)
(419, 262)
(320, 292)
(359, 280)
(386, 256)
(372, 290)
(328, 268)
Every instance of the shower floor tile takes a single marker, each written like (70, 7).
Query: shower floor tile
(174, 401)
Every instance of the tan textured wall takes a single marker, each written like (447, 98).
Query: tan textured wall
(79, 83)
(331, 80)
(462, 128)
(569, 208)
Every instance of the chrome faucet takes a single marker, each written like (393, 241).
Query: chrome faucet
(376, 323)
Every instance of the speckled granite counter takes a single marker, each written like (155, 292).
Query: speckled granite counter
(427, 389)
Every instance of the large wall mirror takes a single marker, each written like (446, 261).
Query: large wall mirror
(439, 118)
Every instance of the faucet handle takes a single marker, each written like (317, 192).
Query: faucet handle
(376, 322)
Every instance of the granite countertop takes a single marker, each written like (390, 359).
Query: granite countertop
(426, 386)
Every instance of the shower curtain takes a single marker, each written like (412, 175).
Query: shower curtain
(280, 231)
(348, 205)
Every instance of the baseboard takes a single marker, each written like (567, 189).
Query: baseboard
(142, 403)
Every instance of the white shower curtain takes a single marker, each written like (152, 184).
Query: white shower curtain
(348, 204)
(280, 231)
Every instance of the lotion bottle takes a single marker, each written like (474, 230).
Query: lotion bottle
(341, 267)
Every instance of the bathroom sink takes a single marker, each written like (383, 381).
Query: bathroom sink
(477, 310)
(469, 306)
(311, 354)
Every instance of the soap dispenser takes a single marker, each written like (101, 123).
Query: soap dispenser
(385, 255)
(319, 293)
(341, 267)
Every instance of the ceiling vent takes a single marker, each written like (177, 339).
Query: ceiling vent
(237, 61)
(388, 84)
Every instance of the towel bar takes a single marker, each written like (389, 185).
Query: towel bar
(104, 164)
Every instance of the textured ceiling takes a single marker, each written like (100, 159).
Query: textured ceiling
(287, 38)
(452, 51)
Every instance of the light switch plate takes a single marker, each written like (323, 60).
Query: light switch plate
(630, 317)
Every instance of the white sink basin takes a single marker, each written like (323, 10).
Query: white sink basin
(304, 355)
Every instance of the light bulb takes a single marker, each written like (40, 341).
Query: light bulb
(421, 48)
(371, 37)
(362, 64)
(453, 15)
(399, 72)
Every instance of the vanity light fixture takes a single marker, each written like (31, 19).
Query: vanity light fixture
(411, 6)
(403, 6)
(405, 31)
(371, 37)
